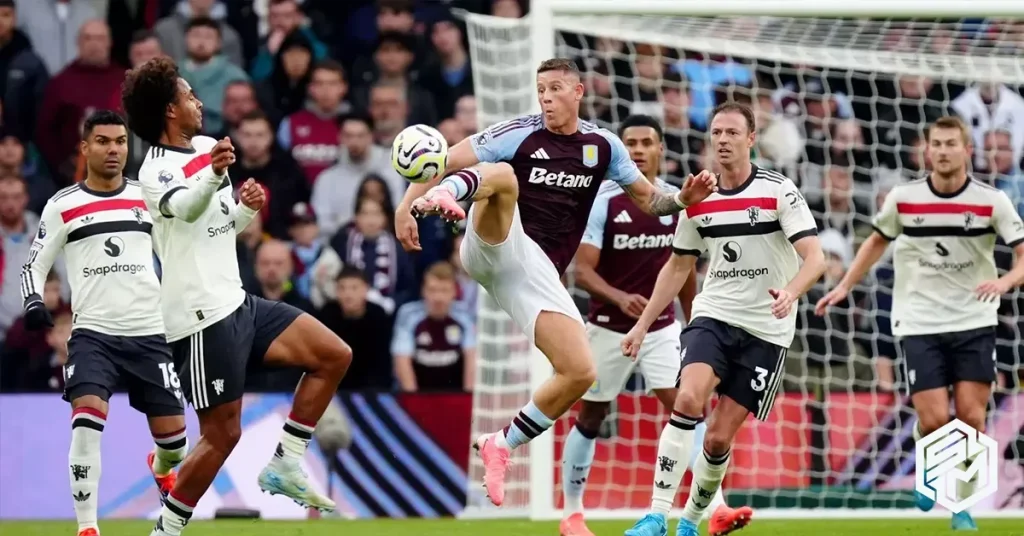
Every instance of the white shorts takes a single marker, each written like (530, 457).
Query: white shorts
(659, 361)
(517, 274)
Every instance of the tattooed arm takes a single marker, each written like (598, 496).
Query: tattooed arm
(652, 200)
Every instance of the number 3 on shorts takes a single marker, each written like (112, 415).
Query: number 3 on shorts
(758, 384)
(170, 377)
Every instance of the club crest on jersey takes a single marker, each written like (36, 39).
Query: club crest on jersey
(590, 155)
(137, 212)
(753, 213)
(969, 218)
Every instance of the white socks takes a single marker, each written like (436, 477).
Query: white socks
(708, 473)
(674, 446)
(84, 464)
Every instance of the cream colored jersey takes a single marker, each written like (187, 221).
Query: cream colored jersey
(749, 234)
(944, 247)
(201, 284)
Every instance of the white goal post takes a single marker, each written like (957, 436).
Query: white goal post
(780, 45)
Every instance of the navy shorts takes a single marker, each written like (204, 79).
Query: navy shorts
(213, 363)
(98, 364)
(749, 369)
(941, 360)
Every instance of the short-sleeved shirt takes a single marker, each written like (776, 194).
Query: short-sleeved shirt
(559, 176)
(944, 245)
(437, 346)
(748, 233)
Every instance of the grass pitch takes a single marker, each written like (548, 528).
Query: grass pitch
(833, 527)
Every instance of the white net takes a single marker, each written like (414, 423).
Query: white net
(841, 106)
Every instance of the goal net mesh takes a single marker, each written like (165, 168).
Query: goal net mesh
(841, 106)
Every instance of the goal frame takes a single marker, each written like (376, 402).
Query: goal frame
(543, 32)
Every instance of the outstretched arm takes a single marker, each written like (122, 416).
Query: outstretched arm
(652, 200)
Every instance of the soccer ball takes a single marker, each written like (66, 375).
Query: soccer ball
(419, 153)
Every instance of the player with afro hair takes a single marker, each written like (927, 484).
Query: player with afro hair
(157, 85)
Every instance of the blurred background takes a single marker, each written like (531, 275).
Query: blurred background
(312, 92)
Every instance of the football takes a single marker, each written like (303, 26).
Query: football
(419, 153)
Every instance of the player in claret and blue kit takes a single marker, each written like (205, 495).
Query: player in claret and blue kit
(529, 211)
(617, 263)
(216, 330)
(117, 339)
(756, 229)
(947, 289)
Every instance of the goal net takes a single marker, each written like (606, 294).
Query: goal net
(841, 105)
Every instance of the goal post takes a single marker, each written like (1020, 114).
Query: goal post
(838, 440)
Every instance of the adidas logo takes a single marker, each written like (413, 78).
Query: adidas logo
(918, 220)
(87, 219)
(706, 220)
(540, 154)
(623, 217)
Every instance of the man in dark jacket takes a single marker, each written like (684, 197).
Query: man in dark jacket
(23, 75)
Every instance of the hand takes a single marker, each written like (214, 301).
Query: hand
(697, 189)
(632, 341)
(990, 291)
(632, 305)
(406, 229)
(834, 296)
(783, 302)
(251, 194)
(222, 156)
(37, 317)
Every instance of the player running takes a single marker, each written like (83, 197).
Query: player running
(946, 290)
(615, 263)
(117, 337)
(528, 215)
(756, 228)
(216, 330)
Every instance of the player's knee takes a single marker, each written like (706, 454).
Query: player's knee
(930, 421)
(717, 442)
(582, 376)
(223, 438)
(591, 416)
(336, 359)
(689, 403)
(973, 417)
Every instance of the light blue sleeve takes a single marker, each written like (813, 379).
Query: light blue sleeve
(468, 329)
(403, 341)
(284, 134)
(499, 142)
(622, 170)
(593, 235)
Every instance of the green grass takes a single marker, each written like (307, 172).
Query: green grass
(838, 527)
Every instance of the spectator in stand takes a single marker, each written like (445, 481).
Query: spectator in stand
(15, 160)
(990, 106)
(249, 241)
(393, 65)
(274, 270)
(82, 87)
(311, 134)
(286, 90)
(599, 103)
(54, 28)
(509, 9)
(465, 115)
(171, 30)
(307, 246)
(259, 158)
(434, 344)
(452, 131)
(779, 141)
(918, 102)
(17, 229)
(837, 210)
(25, 360)
(23, 76)
(365, 327)
(239, 101)
(367, 244)
(454, 77)
(283, 18)
(392, 17)
(207, 71)
(683, 144)
(144, 46)
(51, 374)
(334, 192)
(389, 110)
(1001, 169)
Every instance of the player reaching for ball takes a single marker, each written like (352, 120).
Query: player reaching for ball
(756, 229)
(946, 290)
(617, 263)
(217, 331)
(530, 208)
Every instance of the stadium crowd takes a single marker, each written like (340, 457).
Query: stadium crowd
(313, 92)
